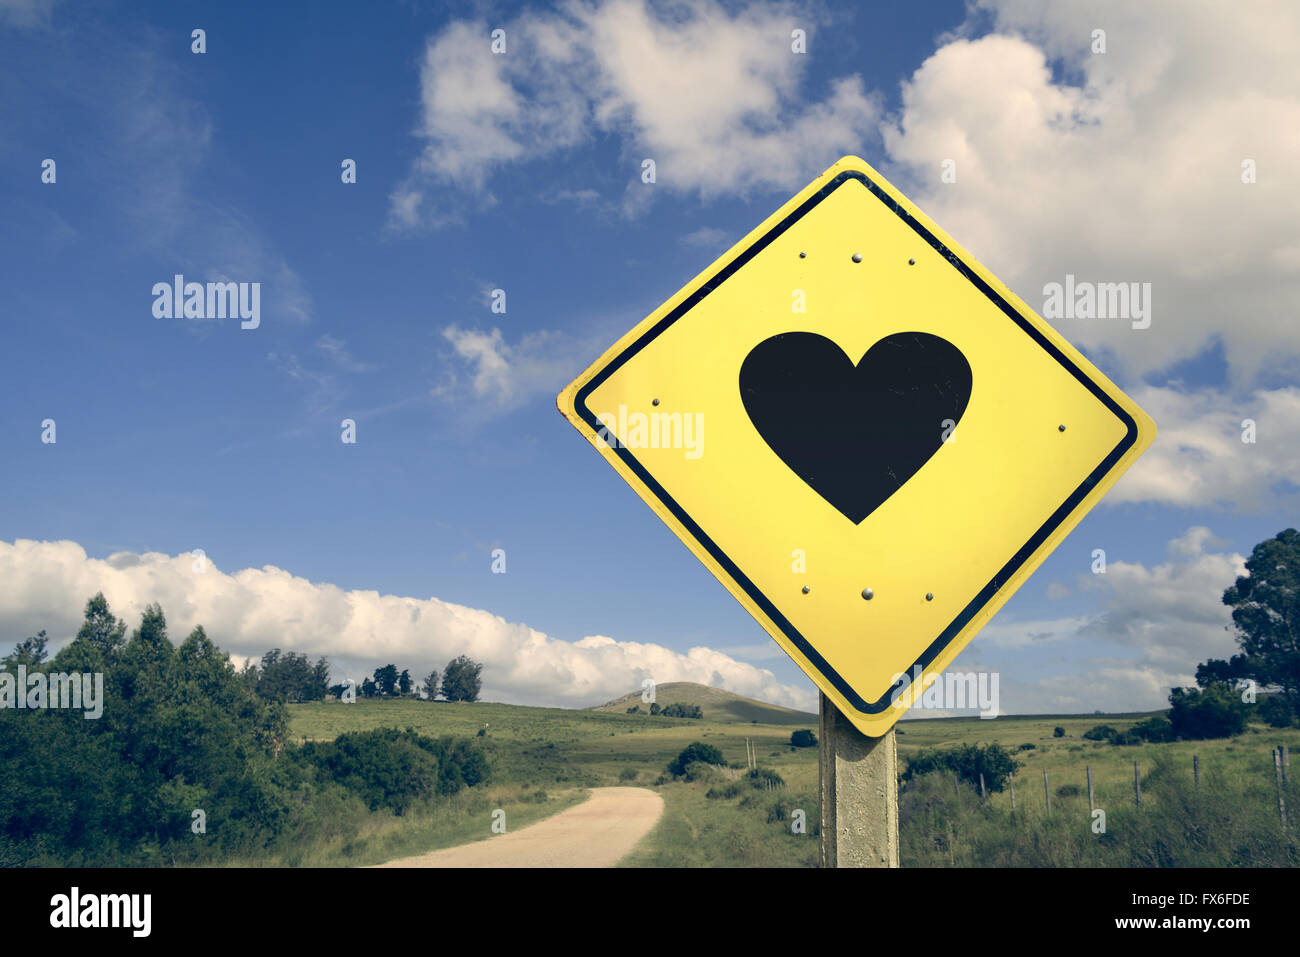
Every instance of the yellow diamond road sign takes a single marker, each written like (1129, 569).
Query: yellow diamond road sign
(868, 439)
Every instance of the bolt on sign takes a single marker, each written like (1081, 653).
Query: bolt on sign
(895, 441)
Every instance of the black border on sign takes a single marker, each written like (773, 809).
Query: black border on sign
(986, 594)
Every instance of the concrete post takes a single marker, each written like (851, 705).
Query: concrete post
(859, 794)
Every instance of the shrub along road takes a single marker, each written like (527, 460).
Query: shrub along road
(597, 833)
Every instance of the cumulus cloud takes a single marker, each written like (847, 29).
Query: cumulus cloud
(1124, 166)
(252, 610)
(1172, 613)
(1153, 626)
(1200, 459)
(711, 93)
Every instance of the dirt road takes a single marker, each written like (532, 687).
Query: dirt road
(596, 833)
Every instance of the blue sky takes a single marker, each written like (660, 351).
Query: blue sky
(521, 172)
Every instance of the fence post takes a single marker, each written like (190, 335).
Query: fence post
(1196, 769)
(1281, 792)
(1092, 805)
(1012, 780)
(1286, 762)
(983, 796)
(1137, 785)
(1047, 794)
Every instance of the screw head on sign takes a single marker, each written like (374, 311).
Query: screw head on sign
(857, 257)
(654, 401)
(868, 594)
(806, 589)
(929, 596)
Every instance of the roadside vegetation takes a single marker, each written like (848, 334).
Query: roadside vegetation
(194, 762)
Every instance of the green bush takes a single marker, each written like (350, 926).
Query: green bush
(681, 710)
(394, 769)
(725, 792)
(1278, 712)
(1027, 747)
(803, 739)
(968, 762)
(1213, 712)
(764, 779)
(696, 751)
(701, 771)
(627, 774)
(1058, 732)
(1068, 791)
(1101, 732)
(1156, 728)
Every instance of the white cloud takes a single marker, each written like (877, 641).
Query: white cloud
(250, 611)
(1023, 634)
(1153, 627)
(706, 236)
(1172, 613)
(504, 375)
(1199, 458)
(1127, 167)
(711, 93)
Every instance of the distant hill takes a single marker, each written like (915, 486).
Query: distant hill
(717, 705)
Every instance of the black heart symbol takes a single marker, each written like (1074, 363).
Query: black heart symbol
(855, 434)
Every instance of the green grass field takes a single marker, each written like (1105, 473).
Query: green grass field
(563, 751)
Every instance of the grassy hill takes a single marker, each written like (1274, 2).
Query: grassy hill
(718, 706)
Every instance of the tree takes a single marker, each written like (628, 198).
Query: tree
(146, 659)
(460, 679)
(1058, 732)
(1265, 605)
(320, 680)
(431, 685)
(1277, 713)
(386, 680)
(368, 688)
(291, 677)
(1214, 712)
(100, 628)
(404, 683)
(803, 738)
(30, 652)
